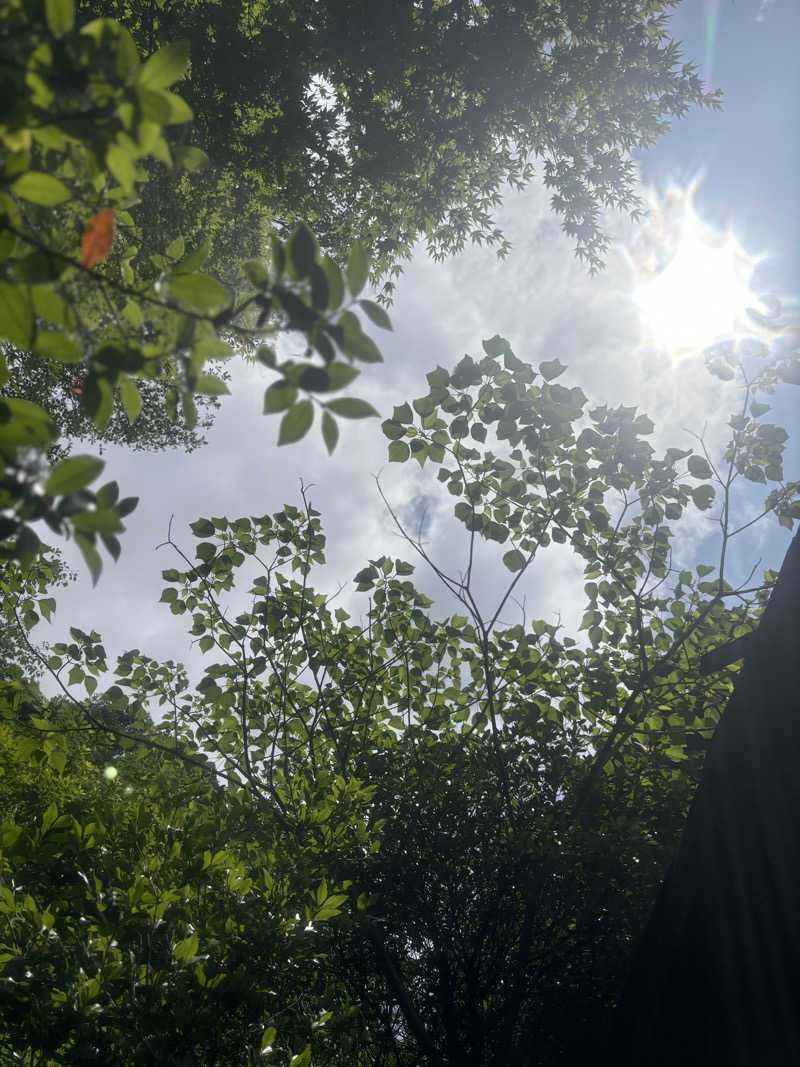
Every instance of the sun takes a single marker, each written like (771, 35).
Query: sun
(691, 281)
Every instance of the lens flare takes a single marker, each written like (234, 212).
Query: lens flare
(710, 30)
(691, 281)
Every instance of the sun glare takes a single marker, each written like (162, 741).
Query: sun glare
(692, 282)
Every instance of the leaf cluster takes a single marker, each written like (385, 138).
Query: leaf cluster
(83, 114)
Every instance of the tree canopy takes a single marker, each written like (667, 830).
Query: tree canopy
(394, 837)
(390, 834)
(402, 122)
(83, 115)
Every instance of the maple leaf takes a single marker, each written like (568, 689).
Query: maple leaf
(97, 238)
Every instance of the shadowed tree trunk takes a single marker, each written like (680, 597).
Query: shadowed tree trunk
(716, 977)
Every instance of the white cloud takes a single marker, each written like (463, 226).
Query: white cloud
(541, 298)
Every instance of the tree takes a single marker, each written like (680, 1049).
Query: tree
(83, 115)
(404, 121)
(58, 389)
(25, 593)
(88, 283)
(458, 823)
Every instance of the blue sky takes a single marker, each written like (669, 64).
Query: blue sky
(543, 301)
(750, 152)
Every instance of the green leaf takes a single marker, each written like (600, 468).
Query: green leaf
(551, 369)
(58, 346)
(754, 473)
(376, 314)
(49, 817)
(187, 948)
(296, 423)
(102, 405)
(179, 110)
(698, 467)
(496, 531)
(393, 430)
(60, 15)
(340, 374)
(40, 188)
(330, 431)
(189, 409)
(335, 282)
(350, 407)
(16, 314)
(703, 496)
(24, 423)
(126, 506)
(514, 560)
(121, 164)
(191, 158)
(496, 346)
(166, 66)
(210, 385)
(202, 528)
(301, 250)
(268, 1037)
(302, 1059)
(279, 396)
(398, 452)
(312, 378)
(195, 258)
(757, 409)
(58, 759)
(72, 474)
(90, 555)
(354, 342)
(104, 522)
(200, 292)
(107, 496)
(131, 399)
(256, 272)
(176, 248)
(357, 269)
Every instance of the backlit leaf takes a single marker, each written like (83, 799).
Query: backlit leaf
(131, 399)
(376, 314)
(16, 314)
(165, 66)
(330, 431)
(350, 407)
(296, 422)
(357, 269)
(40, 188)
(97, 238)
(551, 369)
(72, 474)
(60, 15)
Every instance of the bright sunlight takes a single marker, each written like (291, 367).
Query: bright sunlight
(692, 282)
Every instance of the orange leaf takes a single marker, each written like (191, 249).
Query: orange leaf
(97, 238)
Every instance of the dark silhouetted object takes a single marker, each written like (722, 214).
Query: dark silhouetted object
(716, 977)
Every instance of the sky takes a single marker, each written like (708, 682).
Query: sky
(741, 165)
